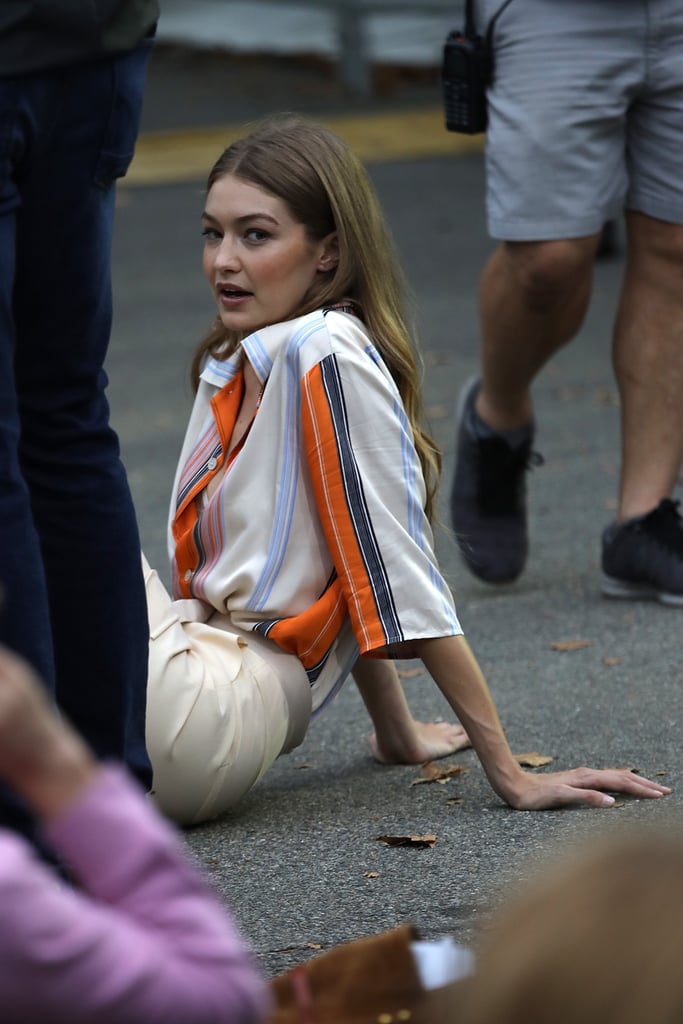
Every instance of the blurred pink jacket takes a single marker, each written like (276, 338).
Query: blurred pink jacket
(145, 939)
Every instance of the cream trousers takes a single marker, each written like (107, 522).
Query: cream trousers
(218, 713)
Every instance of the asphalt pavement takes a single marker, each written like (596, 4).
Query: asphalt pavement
(298, 861)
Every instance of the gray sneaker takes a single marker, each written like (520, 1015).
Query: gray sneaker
(643, 557)
(488, 499)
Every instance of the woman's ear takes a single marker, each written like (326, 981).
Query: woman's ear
(329, 256)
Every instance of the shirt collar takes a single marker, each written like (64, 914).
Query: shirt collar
(261, 348)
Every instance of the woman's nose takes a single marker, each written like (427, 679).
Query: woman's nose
(226, 255)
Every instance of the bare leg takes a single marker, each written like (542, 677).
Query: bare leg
(533, 298)
(398, 738)
(648, 362)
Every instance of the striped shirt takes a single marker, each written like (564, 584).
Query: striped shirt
(314, 535)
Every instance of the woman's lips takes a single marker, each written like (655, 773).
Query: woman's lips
(230, 297)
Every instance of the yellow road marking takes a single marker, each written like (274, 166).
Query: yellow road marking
(186, 156)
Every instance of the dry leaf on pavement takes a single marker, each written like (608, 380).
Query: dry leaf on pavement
(412, 840)
(430, 772)
(533, 759)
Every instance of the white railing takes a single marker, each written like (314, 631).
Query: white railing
(355, 64)
(354, 31)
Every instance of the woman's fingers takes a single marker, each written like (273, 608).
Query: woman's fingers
(589, 786)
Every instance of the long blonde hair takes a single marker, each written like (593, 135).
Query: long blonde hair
(326, 188)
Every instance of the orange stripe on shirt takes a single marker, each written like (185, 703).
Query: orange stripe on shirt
(310, 634)
(225, 406)
(330, 495)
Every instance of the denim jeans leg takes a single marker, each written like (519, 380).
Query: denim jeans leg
(24, 613)
(86, 119)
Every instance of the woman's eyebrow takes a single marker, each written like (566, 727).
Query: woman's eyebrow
(258, 215)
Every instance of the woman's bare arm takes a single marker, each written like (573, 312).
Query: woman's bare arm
(454, 668)
(398, 737)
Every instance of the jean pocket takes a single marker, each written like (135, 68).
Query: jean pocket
(129, 73)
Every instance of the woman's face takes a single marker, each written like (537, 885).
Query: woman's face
(257, 259)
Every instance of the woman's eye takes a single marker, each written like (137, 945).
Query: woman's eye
(210, 234)
(256, 235)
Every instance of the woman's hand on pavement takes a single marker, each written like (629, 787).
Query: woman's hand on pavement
(590, 786)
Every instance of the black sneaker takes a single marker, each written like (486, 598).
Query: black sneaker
(488, 499)
(643, 557)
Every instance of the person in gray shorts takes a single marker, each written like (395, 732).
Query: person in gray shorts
(585, 117)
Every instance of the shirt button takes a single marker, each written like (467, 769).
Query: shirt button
(212, 463)
(188, 575)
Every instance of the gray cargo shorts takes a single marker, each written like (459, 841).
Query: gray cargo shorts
(585, 115)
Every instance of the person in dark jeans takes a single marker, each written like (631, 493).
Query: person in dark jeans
(71, 84)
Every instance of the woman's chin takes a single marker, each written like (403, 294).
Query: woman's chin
(239, 324)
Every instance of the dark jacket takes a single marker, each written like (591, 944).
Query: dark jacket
(36, 35)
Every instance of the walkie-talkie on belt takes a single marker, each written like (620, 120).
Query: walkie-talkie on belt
(466, 73)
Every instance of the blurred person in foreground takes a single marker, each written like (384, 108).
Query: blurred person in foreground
(71, 84)
(584, 122)
(593, 940)
(143, 939)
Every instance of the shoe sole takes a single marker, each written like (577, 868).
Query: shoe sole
(610, 586)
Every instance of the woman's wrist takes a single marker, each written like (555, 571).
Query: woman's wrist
(507, 778)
